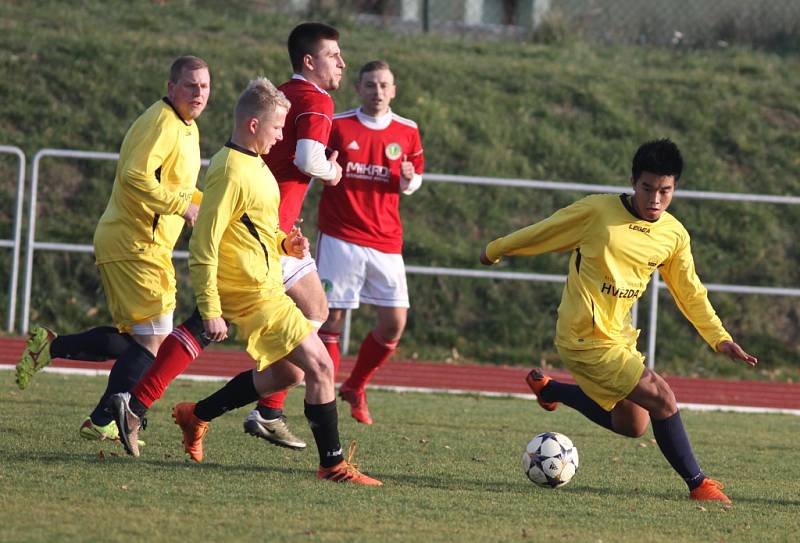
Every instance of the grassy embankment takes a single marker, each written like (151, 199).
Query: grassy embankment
(75, 76)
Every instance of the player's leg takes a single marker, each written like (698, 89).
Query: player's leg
(175, 354)
(267, 421)
(95, 345)
(604, 377)
(385, 287)
(320, 410)
(654, 395)
(141, 298)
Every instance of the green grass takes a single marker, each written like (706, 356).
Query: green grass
(450, 465)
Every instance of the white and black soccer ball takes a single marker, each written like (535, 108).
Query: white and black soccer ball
(550, 460)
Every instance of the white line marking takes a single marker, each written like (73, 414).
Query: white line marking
(456, 391)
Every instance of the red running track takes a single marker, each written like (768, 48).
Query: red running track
(470, 377)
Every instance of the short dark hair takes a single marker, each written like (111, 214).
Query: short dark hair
(373, 66)
(186, 62)
(304, 40)
(661, 157)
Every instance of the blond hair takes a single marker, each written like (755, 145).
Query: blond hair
(260, 100)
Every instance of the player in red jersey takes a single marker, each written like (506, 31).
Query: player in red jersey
(318, 65)
(361, 235)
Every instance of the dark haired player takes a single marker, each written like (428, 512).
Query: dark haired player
(617, 242)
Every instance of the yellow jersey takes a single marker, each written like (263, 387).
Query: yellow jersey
(236, 243)
(614, 254)
(155, 182)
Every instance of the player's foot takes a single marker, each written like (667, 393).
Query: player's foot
(345, 472)
(35, 356)
(537, 380)
(274, 431)
(95, 432)
(193, 430)
(128, 423)
(357, 398)
(710, 490)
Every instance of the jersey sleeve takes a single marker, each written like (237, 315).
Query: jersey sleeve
(315, 122)
(222, 201)
(691, 296)
(415, 154)
(562, 231)
(140, 177)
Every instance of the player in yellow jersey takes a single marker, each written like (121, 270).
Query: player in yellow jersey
(234, 259)
(153, 196)
(617, 242)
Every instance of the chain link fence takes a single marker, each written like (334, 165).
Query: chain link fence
(771, 24)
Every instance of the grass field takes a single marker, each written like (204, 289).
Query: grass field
(450, 465)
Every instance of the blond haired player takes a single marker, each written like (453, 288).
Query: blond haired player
(234, 259)
(153, 196)
(617, 242)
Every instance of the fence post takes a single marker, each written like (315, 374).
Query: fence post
(16, 241)
(651, 333)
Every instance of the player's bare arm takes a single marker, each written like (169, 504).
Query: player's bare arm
(735, 352)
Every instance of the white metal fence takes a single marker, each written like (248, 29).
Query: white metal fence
(15, 241)
(655, 286)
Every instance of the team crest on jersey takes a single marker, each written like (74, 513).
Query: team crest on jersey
(353, 146)
(393, 151)
(327, 286)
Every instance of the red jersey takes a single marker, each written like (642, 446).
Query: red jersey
(310, 117)
(364, 208)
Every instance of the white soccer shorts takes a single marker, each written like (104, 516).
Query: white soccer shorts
(353, 273)
(296, 268)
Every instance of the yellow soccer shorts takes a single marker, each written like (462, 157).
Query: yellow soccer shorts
(138, 290)
(270, 324)
(607, 375)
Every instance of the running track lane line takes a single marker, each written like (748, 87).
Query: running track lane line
(415, 376)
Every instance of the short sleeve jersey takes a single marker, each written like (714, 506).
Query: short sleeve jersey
(156, 179)
(614, 254)
(309, 117)
(236, 244)
(364, 208)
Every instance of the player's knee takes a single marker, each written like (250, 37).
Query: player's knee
(320, 368)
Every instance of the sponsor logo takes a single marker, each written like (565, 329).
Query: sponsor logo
(393, 151)
(353, 146)
(622, 293)
(374, 172)
(653, 261)
(642, 229)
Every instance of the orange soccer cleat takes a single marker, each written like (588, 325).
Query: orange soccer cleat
(346, 471)
(537, 380)
(710, 490)
(193, 429)
(357, 399)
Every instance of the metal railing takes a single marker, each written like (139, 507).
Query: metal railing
(16, 239)
(655, 284)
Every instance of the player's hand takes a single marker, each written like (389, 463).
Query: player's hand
(335, 181)
(407, 170)
(485, 259)
(190, 215)
(735, 352)
(296, 244)
(216, 329)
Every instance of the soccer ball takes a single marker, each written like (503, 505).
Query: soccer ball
(550, 460)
